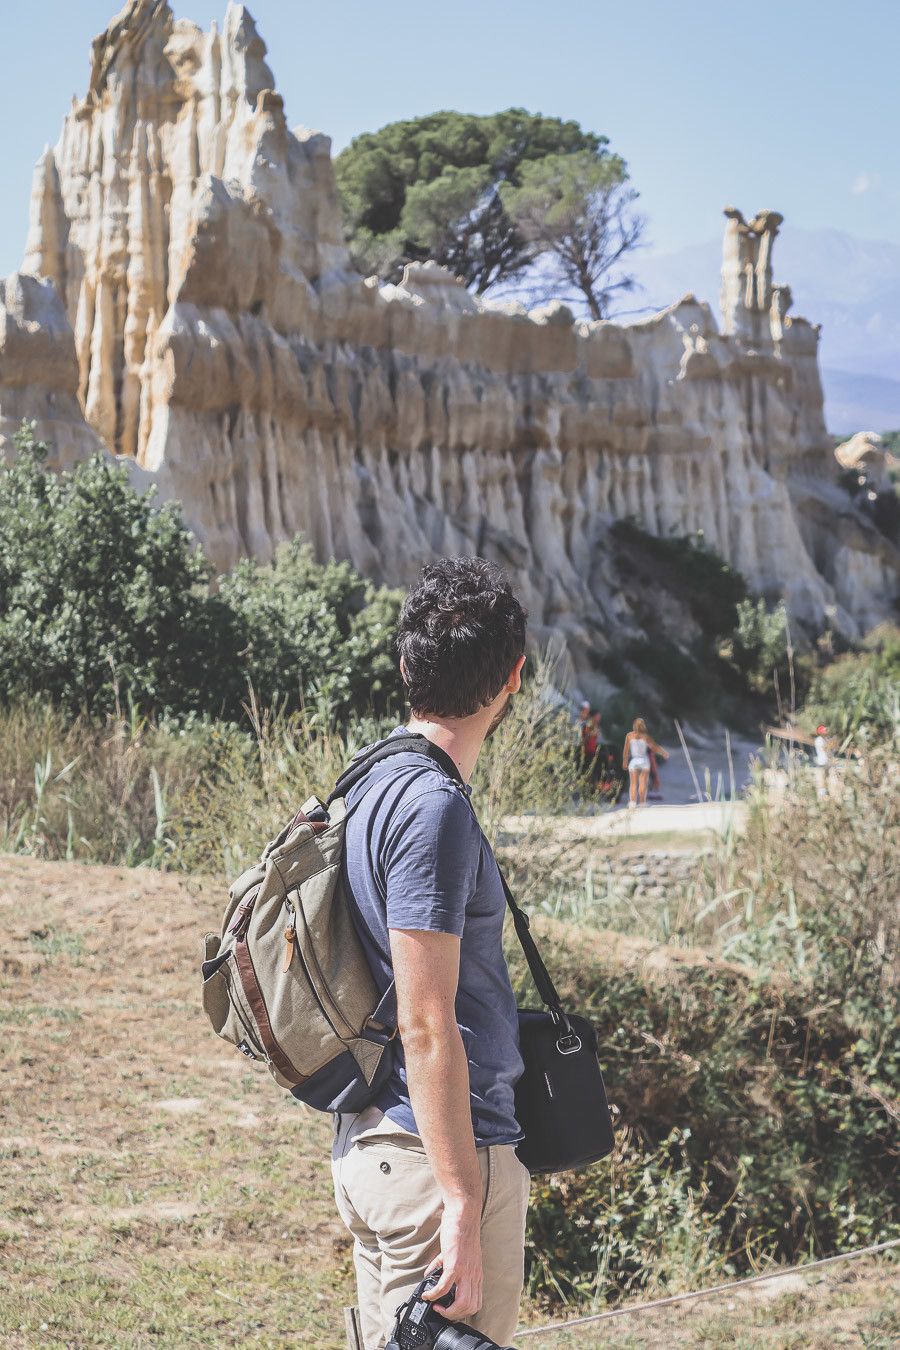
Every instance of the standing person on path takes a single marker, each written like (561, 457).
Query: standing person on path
(822, 748)
(590, 742)
(429, 1175)
(636, 759)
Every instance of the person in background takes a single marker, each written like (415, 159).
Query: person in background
(589, 731)
(654, 791)
(636, 759)
(821, 760)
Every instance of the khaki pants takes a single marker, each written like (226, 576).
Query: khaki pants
(388, 1198)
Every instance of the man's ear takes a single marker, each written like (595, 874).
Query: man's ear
(514, 683)
(403, 671)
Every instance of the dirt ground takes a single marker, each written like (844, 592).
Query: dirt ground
(157, 1190)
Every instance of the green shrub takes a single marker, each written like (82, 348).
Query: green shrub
(760, 643)
(687, 683)
(99, 588)
(709, 585)
(105, 601)
(753, 1129)
(860, 691)
(729, 648)
(315, 631)
(757, 1090)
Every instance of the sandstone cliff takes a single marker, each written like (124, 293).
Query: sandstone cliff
(215, 334)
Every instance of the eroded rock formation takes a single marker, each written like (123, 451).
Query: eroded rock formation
(38, 370)
(866, 455)
(220, 339)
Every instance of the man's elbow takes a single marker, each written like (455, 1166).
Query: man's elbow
(426, 1030)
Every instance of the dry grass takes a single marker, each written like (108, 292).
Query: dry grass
(156, 1191)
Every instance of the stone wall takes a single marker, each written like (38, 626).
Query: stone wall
(218, 338)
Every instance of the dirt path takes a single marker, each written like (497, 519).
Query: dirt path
(157, 1191)
(696, 819)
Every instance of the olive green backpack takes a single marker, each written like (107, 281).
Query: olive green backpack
(287, 981)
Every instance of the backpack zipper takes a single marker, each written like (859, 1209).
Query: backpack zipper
(290, 939)
(253, 993)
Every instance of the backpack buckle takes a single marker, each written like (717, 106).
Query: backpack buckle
(379, 1028)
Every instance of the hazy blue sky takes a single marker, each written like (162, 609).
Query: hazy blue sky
(789, 104)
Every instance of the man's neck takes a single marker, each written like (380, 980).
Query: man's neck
(460, 737)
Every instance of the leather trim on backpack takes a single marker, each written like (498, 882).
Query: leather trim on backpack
(251, 988)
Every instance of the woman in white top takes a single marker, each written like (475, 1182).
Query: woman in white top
(636, 759)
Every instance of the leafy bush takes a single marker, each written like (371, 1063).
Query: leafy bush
(312, 630)
(709, 585)
(99, 587)
(738, 643)
(860, 691)
(757, 1090)
(105, 600)
(755, 1120)
(688, 685)
(759, 645)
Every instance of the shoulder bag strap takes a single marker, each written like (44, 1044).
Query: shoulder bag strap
(539, 972)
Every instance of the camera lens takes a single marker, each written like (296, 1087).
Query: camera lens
(458, 1338)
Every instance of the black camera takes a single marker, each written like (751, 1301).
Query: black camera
(420, 1327)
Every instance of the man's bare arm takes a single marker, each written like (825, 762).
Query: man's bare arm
(426, 974)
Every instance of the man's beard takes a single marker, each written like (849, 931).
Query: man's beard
(500, 717)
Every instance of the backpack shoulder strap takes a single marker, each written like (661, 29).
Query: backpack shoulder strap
(403, 744)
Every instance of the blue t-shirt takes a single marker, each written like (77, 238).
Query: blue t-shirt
(416, 858)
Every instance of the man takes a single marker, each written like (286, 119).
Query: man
(429, 1176)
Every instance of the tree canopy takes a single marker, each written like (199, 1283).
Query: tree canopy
(578, 210)
(432, 187)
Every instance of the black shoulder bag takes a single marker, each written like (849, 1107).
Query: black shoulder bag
(560, 1099)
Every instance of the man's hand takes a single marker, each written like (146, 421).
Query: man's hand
(460, 1260)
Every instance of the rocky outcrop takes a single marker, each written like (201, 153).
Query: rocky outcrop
(38, 371)
(221, 341)
(866, 455)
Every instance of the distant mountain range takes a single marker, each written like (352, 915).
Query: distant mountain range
(848, 285)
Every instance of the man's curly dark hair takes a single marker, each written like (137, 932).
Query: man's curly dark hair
(461, 631)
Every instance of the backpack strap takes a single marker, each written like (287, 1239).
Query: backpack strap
(404, 743)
